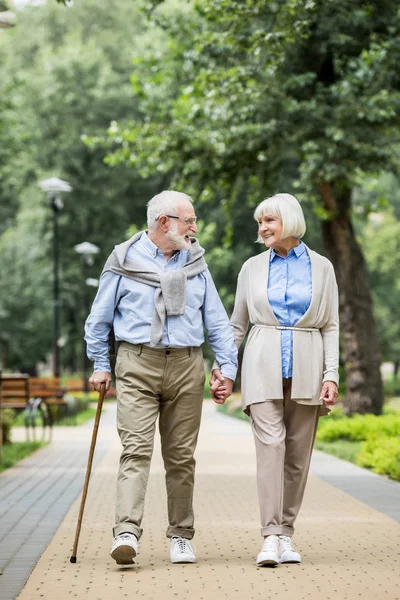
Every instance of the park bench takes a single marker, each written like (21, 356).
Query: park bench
(76, 385)
(14, 391)
(49, 391)
(47, 387)
(35, 395)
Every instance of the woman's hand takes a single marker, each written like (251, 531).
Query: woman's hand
(329, 393)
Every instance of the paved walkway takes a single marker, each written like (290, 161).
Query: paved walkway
(349, 549)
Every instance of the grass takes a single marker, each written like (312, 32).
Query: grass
(366, 440)
(341, 448)
(79, 419)
(12, 453)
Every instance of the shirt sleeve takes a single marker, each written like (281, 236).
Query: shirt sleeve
(219, 331)
(99, 322)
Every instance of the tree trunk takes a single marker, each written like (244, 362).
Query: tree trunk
(360, 347)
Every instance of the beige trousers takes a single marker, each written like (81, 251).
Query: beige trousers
(169, 384)
(284, 434)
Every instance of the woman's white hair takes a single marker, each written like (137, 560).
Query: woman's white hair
(287, 208)
(164, 203)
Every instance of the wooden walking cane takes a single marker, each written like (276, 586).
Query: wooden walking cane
(88, 470)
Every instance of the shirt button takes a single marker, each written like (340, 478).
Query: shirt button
(168, 352)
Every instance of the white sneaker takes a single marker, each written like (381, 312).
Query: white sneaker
(181, 550)
(124, 548)
(287, 554)
(269, 551)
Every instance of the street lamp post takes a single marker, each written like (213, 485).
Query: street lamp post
(87, 252)
(54, 187)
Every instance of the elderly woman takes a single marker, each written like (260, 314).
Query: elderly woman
(290, 364)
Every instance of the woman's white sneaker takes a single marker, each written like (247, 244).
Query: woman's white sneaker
(124, 548)
(287, 554)
(269, 551)
(181, 550)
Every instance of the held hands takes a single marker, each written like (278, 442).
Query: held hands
(329, 393)
(100, 377)
(220, 387)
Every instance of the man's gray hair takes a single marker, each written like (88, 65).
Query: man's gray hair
(287, 208)
(164, 203)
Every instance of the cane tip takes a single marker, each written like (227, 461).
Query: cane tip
(72, 559)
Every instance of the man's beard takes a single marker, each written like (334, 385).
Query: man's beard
(177, 239)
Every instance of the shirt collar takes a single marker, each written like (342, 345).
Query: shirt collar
(154, 250)
(148, 245)
(297, 251)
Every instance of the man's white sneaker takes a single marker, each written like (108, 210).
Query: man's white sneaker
(287, 554)
(269, 551)
(181, 550)
(124, 548)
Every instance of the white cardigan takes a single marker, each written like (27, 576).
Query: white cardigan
(315, 353)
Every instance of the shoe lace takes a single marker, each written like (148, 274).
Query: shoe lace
(285, 542)
(183, 544)
(270, 543)
(126, 537)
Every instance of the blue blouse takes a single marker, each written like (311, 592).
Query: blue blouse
(289, 294)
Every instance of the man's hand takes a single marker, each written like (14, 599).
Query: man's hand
(100, 377)
(329, 393)
(220, 387)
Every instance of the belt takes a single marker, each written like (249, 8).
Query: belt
(294, 328)
(143, 348)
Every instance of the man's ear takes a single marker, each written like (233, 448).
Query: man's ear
(163, 223)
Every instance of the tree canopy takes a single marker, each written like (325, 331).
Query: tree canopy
(250, 97)
(69, 78)
(227, 101)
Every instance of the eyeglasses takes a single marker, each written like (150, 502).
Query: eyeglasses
(188, 221)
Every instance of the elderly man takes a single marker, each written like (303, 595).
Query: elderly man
(158, 295)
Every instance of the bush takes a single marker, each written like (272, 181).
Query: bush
(359, 427)
(7, 418)
(85, 397)
(382, 455)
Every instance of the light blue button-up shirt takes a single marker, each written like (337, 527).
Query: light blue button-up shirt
(289, 294)
(128, 306)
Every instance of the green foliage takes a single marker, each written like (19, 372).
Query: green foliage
(359, 427)
(368, 440)
(392, 385)
(380, 236)
(382, 455)
(90, 396)
(25, 289)
(69, 78)
(236, 81)
(248, 98)
(7, 419)
(12, 453)
(343, 449)
(80, 418)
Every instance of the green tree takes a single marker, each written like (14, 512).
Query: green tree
(379, 234)
(251, 97)
(69, 77)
